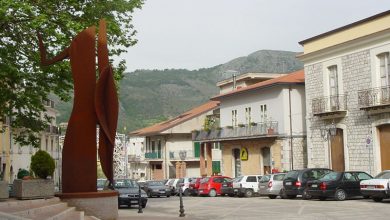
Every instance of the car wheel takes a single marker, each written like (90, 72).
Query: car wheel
(248, 193)
(306, 195)
(186, 193)
(212, 193)
(272, 196)
(376, 199)
(168, 196)
(322, 198)
(282, 194)
(340, 195)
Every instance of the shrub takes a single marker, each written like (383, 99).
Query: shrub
(42, 164)
(22, 173)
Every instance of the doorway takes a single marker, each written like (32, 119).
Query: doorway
(266, 153)
(237, 162)
(337, 151)
(384, 141)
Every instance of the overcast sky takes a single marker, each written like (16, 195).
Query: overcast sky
(194, 34)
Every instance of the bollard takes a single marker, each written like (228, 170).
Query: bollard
(139, 200)
(181, 210)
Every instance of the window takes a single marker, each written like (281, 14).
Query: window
(349, 177)
(384, 69)
(279, 177)
(234, 118)
(248, 118)
(363, 176)
(153, 147)
(265, 178)
(218, 180)
(263, 113)
(251, 179)
(333, 81)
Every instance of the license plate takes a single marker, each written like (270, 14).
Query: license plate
(235, 190)
(200, 191)
(314, 186)
(288, 183)
(370, 187)
(262, 187)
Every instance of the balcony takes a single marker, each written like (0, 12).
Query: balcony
(52, 130)
(157, 155)
(330, 106)
(185, 155)
(258, 130)
(375, 98)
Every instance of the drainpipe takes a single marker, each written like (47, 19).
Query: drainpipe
(291, 137)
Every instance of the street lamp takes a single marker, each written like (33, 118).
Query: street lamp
(182, 155)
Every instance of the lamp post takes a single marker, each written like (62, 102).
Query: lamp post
(326, 133)
(182, 155)
(126, 156)
(139, 200)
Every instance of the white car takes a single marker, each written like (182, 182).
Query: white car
(246, 185)
(377, 188)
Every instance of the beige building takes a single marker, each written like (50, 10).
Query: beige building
(348, 96)
(261, 128)
(169, 149)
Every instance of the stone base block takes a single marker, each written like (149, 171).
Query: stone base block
(102, 204)
(33, 189)
(4, 190)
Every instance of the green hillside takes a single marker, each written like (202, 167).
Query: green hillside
(150, 96)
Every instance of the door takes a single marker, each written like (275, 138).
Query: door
(337, 151)
(237, 162)
(350, 184)
(266, 153)
(384, 135)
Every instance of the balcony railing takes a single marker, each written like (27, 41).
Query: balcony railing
(374, 97)
(329, 104)
(247, 131)
(52, 129)
(182, 155)
(153, 155)
(134, 158)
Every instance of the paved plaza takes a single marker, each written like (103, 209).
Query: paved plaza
(258, 208)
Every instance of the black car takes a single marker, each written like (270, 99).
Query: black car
(294, 183)
(338, 185)
(227, 188)
(156, 188)
(128, 192)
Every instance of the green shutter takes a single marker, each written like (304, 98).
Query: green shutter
(216, 166)
(197, 149)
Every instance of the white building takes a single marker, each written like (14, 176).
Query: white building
(348, 96)
(136, 158)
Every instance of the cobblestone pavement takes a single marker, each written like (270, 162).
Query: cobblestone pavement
(259, 208)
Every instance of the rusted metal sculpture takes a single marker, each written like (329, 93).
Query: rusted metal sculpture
(94, 103)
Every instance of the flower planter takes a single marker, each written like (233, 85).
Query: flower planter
(270, 131)
(33, 189)
(4, 194)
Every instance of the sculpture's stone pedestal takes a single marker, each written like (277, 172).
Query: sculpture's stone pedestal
(4, 190)
(101, 204)
(33, 189)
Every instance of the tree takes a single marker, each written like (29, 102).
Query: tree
(24, 85)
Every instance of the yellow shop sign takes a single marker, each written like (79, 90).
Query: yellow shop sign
(244, 153)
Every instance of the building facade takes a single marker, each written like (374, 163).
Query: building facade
(262, 128)
(169, 149)
(136, 158)
(348, 96)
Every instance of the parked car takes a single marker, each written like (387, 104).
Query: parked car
(294, 183)
(377, 188)
(156, 188)
(172, 185)
(212, 185)
(271, 185)
(194, 186)
(246, 185)
(185, 185)
(338, 185)
(227, 188)
(128, 192)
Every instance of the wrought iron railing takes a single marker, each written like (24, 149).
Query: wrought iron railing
(256, 129)
(329, 104)
(153, 155)
(374, 97)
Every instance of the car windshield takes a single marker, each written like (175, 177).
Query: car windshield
(238, 179)
(155, 183)
(124, 183)
(332, 176)
(383, 175)
(279, 177)
(205, 180)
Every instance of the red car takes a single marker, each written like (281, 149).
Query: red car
(212, 185)
(194, 186)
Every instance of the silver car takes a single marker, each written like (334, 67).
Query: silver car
(271, 184)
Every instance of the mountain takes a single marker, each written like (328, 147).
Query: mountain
(147, 97)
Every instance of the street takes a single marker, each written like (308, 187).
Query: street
(258, 208)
